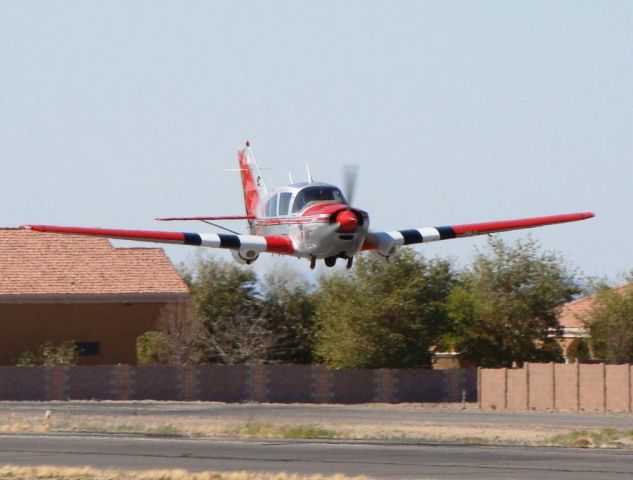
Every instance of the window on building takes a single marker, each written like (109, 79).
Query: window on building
(87, 349)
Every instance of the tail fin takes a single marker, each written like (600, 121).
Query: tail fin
(253, 184)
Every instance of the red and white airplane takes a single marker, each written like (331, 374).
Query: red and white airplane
(311, 220)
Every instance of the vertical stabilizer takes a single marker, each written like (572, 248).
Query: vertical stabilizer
(252, 182)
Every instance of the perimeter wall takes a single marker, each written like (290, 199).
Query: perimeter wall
(238, 383)
(557, 386)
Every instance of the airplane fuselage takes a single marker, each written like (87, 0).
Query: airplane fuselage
(317, 218)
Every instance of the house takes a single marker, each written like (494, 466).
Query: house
(573, 331)
(63, 288)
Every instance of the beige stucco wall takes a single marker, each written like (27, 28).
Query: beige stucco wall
(115, 326)
(550, 386)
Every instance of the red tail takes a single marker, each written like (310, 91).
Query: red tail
(252, 182)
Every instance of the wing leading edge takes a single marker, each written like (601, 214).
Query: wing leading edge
(271, 243)
(387, 242)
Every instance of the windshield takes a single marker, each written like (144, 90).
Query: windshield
(317, 194)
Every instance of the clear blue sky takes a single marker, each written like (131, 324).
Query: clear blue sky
(113, 113)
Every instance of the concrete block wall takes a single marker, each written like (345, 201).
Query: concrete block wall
(279, 383)
(550, 386)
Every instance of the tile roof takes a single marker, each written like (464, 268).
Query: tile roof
(51, 265)
(571, 313)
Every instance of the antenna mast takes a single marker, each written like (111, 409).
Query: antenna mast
(310, 179)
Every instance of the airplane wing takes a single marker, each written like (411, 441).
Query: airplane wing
(281, 244)
(387, 242)
(221, 217)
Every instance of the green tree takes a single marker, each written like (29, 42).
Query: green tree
(504, 308)
(225, 299)
(246, 320)
(182, 339)
(288, 306)
(383, 314)
(610, 324)
(220, 289)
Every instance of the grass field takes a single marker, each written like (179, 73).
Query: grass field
(56, 473)
(282, 428)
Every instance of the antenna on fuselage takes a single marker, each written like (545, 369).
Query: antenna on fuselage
(310, 179)
(290, 177)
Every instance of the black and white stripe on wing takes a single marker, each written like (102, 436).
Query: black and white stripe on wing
(428, 234)
(225, 240)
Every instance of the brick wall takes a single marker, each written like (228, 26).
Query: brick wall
(550, 386)
(238, 383)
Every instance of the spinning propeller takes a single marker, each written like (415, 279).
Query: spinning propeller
(350, 175)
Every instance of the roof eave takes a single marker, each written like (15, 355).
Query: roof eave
(84, 298)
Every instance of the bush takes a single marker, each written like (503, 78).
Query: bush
(152, 348)
(50, 355)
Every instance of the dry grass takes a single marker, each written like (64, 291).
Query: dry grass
(86, 473)
(284, 428)
(604, 438)
(151, 425)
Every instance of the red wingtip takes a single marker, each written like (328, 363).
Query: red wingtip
(584, 215)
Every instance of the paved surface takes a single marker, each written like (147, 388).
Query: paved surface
(379, 460)
(324, 413)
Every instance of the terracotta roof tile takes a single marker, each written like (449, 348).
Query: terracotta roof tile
(34, 263)
(571, 313)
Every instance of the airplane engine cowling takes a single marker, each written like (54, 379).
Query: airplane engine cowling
(245, 256)
(386, 244)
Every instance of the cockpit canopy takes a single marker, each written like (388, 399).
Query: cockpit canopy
(320, 193)
(298, 197)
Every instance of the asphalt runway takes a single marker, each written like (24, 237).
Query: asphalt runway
(390, 460)
(376, 459)
(369, 413)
